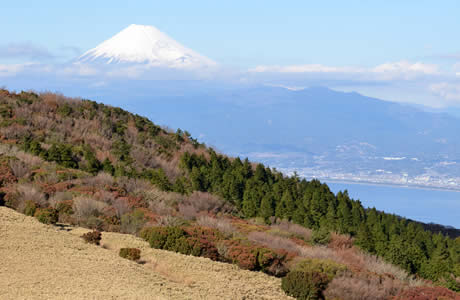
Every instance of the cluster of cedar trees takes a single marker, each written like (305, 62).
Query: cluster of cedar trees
(263, 192)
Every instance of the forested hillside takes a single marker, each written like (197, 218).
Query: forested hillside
(77, 161)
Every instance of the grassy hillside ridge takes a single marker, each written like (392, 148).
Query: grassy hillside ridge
(53, 263)
(100, 167)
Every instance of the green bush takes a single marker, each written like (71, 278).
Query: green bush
(92, 237)
(272, 262)
(30, 208)
(47, 215)
(132, 222)
(328, 267)
(65, 207)
(305, 285)
(94, 223)
(176, 240)
(130, 253)
(162, 237)
(194, 241)
(2, 199)
(321, 236)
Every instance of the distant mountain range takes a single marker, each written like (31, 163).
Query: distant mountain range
(317, 132)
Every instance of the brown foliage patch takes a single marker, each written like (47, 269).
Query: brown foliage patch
(92, 237)
(428, 293)
(340, 241)
(362, 287)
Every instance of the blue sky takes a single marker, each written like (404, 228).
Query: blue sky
(345, 36)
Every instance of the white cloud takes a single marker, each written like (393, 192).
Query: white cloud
(78, 69)
(402, 70)
(25, 50)
(313, 68)
(405, 70)
(447, 90)
(13, 69)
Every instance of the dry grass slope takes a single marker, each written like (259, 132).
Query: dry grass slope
(43, 262)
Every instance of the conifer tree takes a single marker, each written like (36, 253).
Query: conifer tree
(266, 207)
(108, 167)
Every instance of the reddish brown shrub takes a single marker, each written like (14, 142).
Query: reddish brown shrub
(92, 237)
(245, 256)
(252, 257)
(203, 241)
(427, 293)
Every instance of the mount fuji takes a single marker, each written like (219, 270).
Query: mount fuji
(146, 46)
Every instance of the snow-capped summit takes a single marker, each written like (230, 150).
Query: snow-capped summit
(146, 45)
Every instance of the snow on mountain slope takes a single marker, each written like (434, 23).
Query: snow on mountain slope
(146, 45)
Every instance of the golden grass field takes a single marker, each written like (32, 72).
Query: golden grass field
(39, 261)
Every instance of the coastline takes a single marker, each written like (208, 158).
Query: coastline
(393, 185)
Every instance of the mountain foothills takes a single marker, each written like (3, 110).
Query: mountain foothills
(79, 162)
(317, 131)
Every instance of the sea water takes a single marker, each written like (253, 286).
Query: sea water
(425, 205)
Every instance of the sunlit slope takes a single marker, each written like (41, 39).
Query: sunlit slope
(46, 262)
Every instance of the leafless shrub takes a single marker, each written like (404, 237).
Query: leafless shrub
(145, 158)
(43, 123)
(96, 140)
(133, 185)
(141, 156)
(360, 287)
(10, 150)
(206, 202)
(188, 211)
(169, 167)
(377, 265)
(105, 196)
(170, 221)
(274, 242)
(49, 177)
(26, 192)
(223, 249)
(86, 207)
(161, 208)
(340, 241)
(161, 202)
(131, 134)
(294, 229)
(19, 168)
(121, 207)
(22, 112)
(29, 159)
(356, 259)
(320, 252)
(59, 197)
(14, 131)
(223, 225)
(101, 179)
